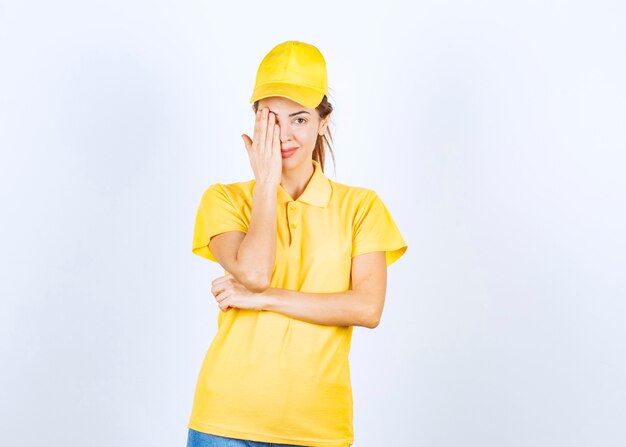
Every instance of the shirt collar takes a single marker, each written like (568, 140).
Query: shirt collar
(317, 191)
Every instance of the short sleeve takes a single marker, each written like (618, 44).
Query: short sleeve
(375, 230)
(216, 214)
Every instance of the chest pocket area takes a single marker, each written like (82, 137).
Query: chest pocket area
(326, 256)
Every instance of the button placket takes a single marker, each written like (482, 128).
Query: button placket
(293, 217)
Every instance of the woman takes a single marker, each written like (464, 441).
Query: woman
(305, 259)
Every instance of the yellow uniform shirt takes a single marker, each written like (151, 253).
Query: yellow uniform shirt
(269, 377)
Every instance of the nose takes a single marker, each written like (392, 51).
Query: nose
(285, 134)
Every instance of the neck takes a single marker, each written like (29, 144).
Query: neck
(294, 181)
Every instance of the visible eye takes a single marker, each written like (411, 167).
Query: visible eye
(303, 120)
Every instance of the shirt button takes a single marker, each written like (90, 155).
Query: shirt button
(292, 208)
(293, 225)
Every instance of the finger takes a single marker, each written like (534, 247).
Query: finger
(223, 277)
(223, 282)
(219, 288)
(276, 145)
(262, 130)
(257, 127)
(222, 296)
(224, 305)
(246, 141)
(226, 278)
(220, 279)
(269, 137)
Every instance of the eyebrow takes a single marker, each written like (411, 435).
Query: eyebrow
(292, 114)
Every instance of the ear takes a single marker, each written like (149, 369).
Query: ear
(324, 124)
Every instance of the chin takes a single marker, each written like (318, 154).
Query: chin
(295, 160)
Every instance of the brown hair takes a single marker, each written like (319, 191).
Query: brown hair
(319, 154)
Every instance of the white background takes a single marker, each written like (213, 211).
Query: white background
(493, 131)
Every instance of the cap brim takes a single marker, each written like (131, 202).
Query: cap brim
(308, 97)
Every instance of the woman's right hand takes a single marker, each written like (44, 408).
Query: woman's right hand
(264, 151)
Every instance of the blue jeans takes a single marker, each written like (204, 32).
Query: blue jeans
(199, 439)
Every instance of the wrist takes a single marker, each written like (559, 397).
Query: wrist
(266, 186)
(268, 299)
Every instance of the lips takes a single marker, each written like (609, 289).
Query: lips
(286, 153)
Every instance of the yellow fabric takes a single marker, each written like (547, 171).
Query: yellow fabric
(294, 70)
(266, 376)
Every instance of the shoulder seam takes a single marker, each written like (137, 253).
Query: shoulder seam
(226, 191)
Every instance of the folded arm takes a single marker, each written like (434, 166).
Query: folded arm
(362, 305)
(238, 252)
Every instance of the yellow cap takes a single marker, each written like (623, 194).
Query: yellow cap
(294, 70)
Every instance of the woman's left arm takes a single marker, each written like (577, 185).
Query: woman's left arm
(362, 305)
